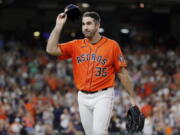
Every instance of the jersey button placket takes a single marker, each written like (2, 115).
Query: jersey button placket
(88, 78)
(91, 69)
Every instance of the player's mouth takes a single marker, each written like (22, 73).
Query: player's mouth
(86, 32)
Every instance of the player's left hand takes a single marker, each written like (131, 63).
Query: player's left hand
(134, 102)
(134, 120)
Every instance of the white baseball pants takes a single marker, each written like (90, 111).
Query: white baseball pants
(95, 111)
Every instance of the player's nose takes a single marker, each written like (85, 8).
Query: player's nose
(85, 27)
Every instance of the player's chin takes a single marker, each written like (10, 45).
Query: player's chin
(87, 35)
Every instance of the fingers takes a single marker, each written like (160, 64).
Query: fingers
(65, 10)
(61, 18)
(62, 15)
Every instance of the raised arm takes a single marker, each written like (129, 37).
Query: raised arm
(128, 85)
(52, 43)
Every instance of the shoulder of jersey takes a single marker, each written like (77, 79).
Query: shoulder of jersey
(76, 41)
(113, 42)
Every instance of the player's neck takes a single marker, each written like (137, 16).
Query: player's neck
(96, 38)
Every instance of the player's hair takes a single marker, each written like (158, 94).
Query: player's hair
(93, 15)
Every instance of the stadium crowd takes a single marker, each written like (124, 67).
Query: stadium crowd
(37, 95)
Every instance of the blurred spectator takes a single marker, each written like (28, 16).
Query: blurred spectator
(15, 127)
(29, 123)
(65, 119)
(40, 129)
(148, 125)
(115, 121)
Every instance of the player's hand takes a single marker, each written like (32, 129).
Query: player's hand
(60, 20)
(134, 102)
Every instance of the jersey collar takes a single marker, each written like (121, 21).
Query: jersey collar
(100, 42)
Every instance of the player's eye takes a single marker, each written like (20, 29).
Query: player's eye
(89, 23)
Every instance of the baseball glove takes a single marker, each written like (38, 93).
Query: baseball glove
(73, 12)
(134, 120)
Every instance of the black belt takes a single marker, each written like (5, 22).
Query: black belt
(91, 92)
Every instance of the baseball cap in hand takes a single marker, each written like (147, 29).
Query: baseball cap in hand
(73, 12)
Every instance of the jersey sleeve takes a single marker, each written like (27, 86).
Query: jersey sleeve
(119, 60)
(67, 49)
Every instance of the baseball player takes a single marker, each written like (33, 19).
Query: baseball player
(95, 60)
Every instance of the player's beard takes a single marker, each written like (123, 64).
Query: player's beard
(89, 34)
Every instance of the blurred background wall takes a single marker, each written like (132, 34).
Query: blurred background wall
(155, 17)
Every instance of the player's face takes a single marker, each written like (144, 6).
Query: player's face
(89, 27)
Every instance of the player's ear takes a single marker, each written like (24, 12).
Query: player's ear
(97, 25)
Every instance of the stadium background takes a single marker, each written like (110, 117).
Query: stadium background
(37, 95)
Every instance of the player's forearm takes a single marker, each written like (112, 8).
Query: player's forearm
(52, 43)
(128, 84)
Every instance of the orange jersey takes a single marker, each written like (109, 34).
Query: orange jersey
(94, 66)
